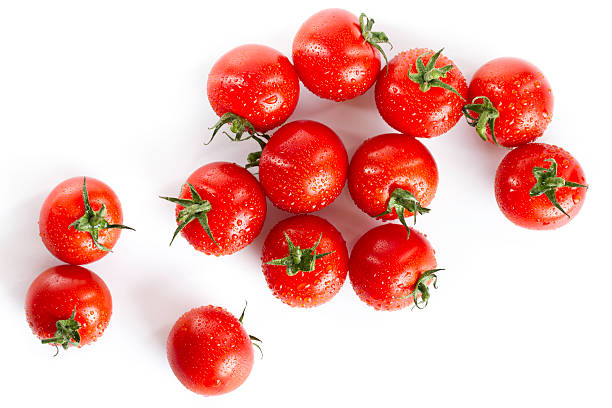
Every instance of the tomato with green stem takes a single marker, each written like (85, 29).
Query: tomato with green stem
(81, 220)
(540, 186)
(390, 272)
(335, 54)
(423, 93)
(304, 261)
(209, 350)
(393, 176)
(220, 210)
(510, 102)
(253, 88)
(68, 305)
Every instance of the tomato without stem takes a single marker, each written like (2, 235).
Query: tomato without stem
(421, 99)
(68, 305)
(335, 54)
(304, 261)
(80, 220)
(390, 272)
(254, 88)
(392, 174)
(209, 351)
(512, 97)
(221, 209)
(532, 178)
(303, 167)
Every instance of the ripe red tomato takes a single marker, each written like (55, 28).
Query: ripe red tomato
(68, 305)
(335, 54)
(305, 261)
(254, 88)
(80, 220)
(303, 167)
(511, 96)
(392, 174)
(390, 272)
(228, 205)
(412, 97)
(539, 186)
(209, 351)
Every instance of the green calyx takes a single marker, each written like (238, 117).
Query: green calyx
(254, 340)
(239, 126)
(374, 38)
(194, 208)
(487, 113)
(299, 259)
(94, 221)
(421, 294)
(547, 183)
(67, 333)
(403, 200)
(428, 76)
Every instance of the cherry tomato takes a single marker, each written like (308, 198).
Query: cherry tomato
(80, 220)
(209, 351)
(220, 210)
(390, 272)
(421, 99)
(305, 261)
(254, 88)
(392, 174)
(512, 97)
(303, 167)
(68, 305)
(539, 186)
(335, 54)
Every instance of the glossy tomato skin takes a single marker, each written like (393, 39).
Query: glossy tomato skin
(209, 351)
(409, 110)
(306, 289)
(386, 162)
(514, 179)
(63, 206)
(521, 94)
(55, 293)
(238, 208)
(303, 167)
(385, 266)
(332, 58)
(254, 82)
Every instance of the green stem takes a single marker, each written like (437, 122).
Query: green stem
(403, 200)
(299, 259)
(374, 38)
(428, 76)
(487, 114)
(93, 222)
(194, 208)
(547, 183)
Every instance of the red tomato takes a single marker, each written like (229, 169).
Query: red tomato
(303, 167)
(305, 261)
(335, 54)
(392, 174)
(390, 272)
(68, 305)
(413, 99)
(254, 88)
(539, 186)
(221, 209)
(80, 220)
(209, 351)
(511, 96)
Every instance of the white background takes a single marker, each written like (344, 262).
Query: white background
(116, 90)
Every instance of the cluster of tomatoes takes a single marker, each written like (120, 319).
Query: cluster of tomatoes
(302, 167)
